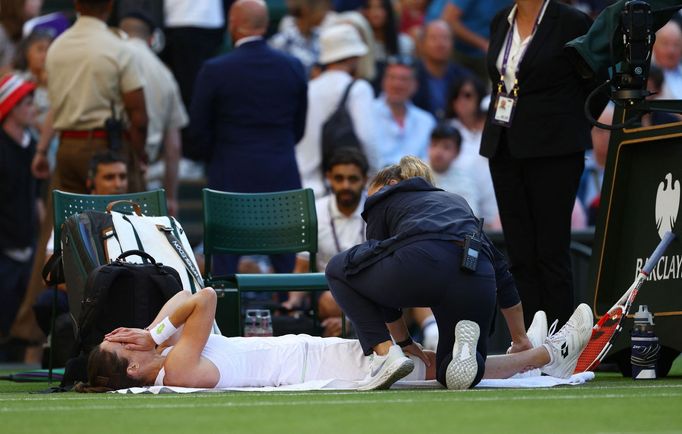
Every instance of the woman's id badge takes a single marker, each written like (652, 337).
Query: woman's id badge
(504, 109)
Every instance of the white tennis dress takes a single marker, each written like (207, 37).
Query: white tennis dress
(284, 360)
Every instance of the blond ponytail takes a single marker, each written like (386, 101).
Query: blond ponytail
(408, 167)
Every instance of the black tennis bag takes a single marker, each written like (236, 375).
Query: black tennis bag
(119, 294)
(122, 294)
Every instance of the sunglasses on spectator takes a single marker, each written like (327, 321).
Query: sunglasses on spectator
(400, 60)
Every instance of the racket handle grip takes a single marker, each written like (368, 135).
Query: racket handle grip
(660, 249)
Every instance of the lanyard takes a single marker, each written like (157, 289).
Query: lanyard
(337, 244)
(507, 49)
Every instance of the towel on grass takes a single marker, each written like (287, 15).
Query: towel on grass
(510, 383)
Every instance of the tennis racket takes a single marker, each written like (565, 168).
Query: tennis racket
(609, 325)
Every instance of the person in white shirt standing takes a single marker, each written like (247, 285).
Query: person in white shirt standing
(403, 127)
(340, 49)
(165, 110)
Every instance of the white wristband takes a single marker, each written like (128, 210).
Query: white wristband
(162, 331)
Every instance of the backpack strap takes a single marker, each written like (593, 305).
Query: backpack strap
(53, 271)
(177, 246)
(346, 92)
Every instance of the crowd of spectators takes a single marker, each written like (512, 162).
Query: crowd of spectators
(249, 98)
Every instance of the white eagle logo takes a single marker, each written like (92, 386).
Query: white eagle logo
(667, 204)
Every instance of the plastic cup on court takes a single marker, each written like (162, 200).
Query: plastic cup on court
(257, 322)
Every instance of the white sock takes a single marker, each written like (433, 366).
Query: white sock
(430, 332)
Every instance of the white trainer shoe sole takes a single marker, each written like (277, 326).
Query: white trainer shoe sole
(463, 368)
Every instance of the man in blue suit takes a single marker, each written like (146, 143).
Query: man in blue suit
(248, 111)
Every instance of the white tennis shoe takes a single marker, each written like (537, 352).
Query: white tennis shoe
(565, 346)
(463, 368)
(537, 332)
(386, 370)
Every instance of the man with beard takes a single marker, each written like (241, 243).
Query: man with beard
(339, 227)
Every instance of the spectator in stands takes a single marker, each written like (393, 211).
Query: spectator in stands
(470, 23)
(436, 72)
(367, 69)
(30, 61)
(13, 15)
(339, 227)
(465, 112)
(92, 72)
(18, 196)
(247, 113)
(667, 56)
(412, 16)
(299, 32)
(107, 174)
(655, 85)
(195, 31)
(403, 127)
(387, 40)
(589, 191)
(165, 110)
(341, 47)
(444, 151)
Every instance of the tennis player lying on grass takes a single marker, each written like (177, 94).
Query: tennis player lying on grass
(179, 350)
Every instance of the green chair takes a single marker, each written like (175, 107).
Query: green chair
(152, 203)
(258, 223)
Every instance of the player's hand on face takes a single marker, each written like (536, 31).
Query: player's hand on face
(416, 350)
(133, 339)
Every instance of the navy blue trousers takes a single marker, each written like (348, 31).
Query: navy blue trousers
(13, 282)
(421, 274)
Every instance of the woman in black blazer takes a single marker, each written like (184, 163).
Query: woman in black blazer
(537, 156)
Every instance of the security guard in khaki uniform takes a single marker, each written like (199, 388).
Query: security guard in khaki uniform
(93, 78)
(90, 70)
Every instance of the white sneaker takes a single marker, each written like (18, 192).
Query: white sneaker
(386, 370)
(463, 368)
(537, 332)
(565, 346)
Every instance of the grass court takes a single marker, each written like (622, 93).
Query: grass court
(608, 404)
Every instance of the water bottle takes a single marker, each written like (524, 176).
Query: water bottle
(645, 347)
(257, 322)
(250, 323)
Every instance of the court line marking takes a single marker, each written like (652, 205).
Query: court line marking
(123, 405)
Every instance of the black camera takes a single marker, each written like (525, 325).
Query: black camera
(629, 81)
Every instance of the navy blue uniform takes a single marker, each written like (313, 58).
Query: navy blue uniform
(411, 259)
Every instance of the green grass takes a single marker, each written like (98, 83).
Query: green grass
(609, 404)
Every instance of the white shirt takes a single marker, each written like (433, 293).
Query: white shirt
(163, 102)
(246, 39)
(411, 138)
(518, 48)
(460, 181)
(672, 84)
(349, 230)
(476, 165)
(324, 94)
(207, 14)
